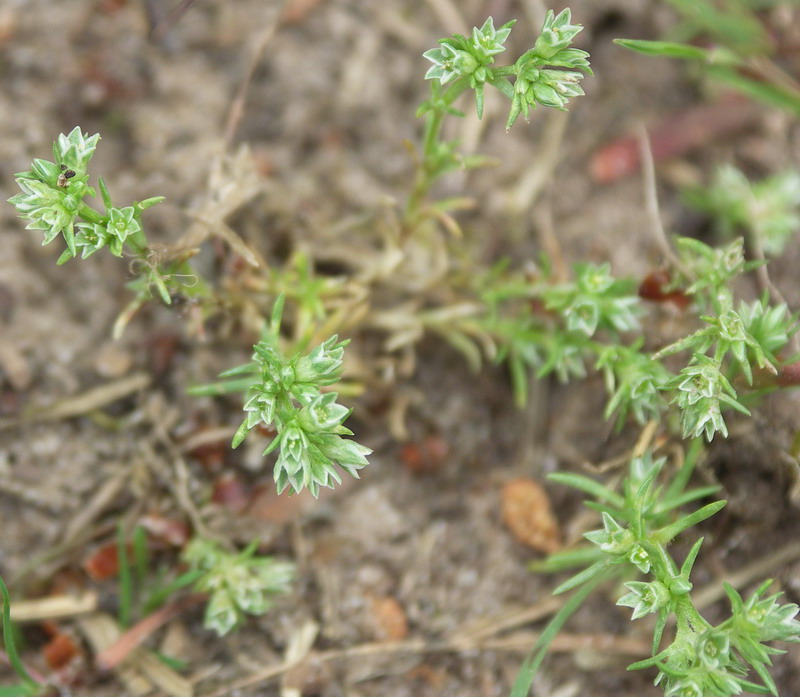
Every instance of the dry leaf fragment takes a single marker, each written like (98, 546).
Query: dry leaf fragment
(389, 618)
(527, 513)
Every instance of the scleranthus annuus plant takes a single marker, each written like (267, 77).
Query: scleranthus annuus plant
(288, 394)
(548, 74)
(699, 659)
(53, 201)
(238, 583)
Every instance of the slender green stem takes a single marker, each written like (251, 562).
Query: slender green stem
(30, 685)
(90, 215)
(429, 169)
(125, 580)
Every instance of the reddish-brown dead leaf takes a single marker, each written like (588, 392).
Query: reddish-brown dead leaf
(389, 619)
(789, 375)
(674, 136)
(426, 456)
(230, 492)
(654, 288)
(103, 563)
(527, 514)
(60, 651)
(114, 654)
(169, 530)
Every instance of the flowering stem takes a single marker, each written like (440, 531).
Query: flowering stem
(430, 168)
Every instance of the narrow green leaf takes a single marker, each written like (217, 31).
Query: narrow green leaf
(537, 654)
(125, 579)
(774, 95)
(560, 561)
(586, 575)
(29, 686)
(588, 486)
(670, 532)
(240, 435)
(158, 597)
(104, 194)
(665, 49)
(687, 497)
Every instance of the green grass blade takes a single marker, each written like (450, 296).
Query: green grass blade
(664, 49)
(526, 674)
(29, 686)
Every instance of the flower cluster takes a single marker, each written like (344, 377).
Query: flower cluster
(52, 200)
(238, 583)
(537, 82)
(121, 224)
(700, 387)
(633, 381)
(53, 192)
(548, 74)
(701, 659)
(768, 209)
(710, 270)
(286, 394)
(594, 300)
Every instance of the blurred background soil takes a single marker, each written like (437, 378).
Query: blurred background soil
(323, 93)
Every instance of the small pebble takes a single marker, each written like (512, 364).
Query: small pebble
(112, 361)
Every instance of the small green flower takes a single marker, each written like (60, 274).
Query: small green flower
(613, 538)
(713, 648)
(121, 224)
(48, 209)
(323, 366)
(645, 598)
(75, 149)
(712, 269)
(458, 56)
(556, 35)
(323, 414)
(688, 687)
(595, 300)
(769, 326)
(634, 382)
(449, 63)
(701, 387)
(90, 238)
(286, 394)
(488, 41)
(639, 557)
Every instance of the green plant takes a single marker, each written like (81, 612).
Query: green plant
(741, 54)
(638, 525)
(767, 210)
(287, 394)
(238, 583)
(542, 324)
(548, 74)
(53, 201)
(27, 686)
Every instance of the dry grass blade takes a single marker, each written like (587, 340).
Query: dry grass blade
(54, 607)
(83, 403)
